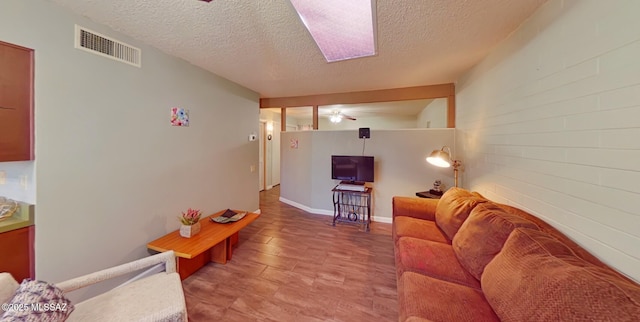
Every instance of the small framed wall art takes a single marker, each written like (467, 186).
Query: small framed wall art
(179, 116)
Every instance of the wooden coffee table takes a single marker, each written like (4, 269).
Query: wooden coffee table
(214, 243)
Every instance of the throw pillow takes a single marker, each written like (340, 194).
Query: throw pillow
(537, 278)
(454, 208)
(483, 234)
(37, 301)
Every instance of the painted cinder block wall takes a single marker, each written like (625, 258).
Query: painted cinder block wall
(550, 122)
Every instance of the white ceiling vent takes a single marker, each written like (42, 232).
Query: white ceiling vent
(96, 43)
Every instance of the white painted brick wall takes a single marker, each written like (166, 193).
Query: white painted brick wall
(550, 123)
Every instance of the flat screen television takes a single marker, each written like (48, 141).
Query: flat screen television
(352, 168)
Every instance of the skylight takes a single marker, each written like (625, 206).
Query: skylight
(342, 29)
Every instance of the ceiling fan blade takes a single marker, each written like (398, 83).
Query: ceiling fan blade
(348, 117)
(337, 114)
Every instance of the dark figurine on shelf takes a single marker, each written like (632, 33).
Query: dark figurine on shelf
(437, 188)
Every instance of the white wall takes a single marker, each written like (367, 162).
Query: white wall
(111, 172)
(400, 165)
(373, 122)
(434, 115)
(549, 122)
(295, 165)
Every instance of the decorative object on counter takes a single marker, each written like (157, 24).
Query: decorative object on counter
(190, 223)
(442, 158)
(7, 207)
(228, 216)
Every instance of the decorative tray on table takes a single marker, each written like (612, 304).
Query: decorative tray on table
(229, 216)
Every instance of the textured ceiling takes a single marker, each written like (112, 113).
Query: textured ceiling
(262, 44)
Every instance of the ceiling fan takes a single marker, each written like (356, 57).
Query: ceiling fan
(337, 116)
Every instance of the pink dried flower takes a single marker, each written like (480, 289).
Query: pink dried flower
(191, 217)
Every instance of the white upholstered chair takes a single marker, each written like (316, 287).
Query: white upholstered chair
(154, 295)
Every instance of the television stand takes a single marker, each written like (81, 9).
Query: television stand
(345, 185)
(352, 206)
(353, 183)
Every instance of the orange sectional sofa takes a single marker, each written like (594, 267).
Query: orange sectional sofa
(465, 258)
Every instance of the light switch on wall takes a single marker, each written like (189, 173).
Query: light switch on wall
(23, 182)
(3, 177)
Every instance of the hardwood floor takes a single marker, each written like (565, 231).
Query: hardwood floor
(291, 265)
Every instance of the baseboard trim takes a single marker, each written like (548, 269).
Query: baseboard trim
(327, 212)
(307, 209)
(385, 220)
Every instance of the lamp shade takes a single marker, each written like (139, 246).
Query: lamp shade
(440, 158)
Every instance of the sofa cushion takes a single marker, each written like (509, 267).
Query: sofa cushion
(454, 208)
(545, 227)
(418, 228)
(131, 302)
(37, 301)
(433, 259)
(422, 297)
(536, 277)
(483, 234)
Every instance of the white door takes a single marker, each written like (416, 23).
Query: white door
(261, 158)
(275, 163)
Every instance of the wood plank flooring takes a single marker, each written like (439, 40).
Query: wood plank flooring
(290, 265)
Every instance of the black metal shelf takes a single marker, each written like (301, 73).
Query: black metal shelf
(352, 207)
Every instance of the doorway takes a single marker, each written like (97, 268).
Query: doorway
(261, 158)
(269, 160)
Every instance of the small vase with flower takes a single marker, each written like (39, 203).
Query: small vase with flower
(190, 223)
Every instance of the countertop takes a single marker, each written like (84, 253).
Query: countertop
(23, 217)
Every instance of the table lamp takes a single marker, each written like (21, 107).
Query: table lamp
(442, 158)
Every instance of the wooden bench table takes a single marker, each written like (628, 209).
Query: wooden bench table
(214, 243)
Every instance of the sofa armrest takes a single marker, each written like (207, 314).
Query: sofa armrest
(158, 297)
(167, 259)
(420, 208)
